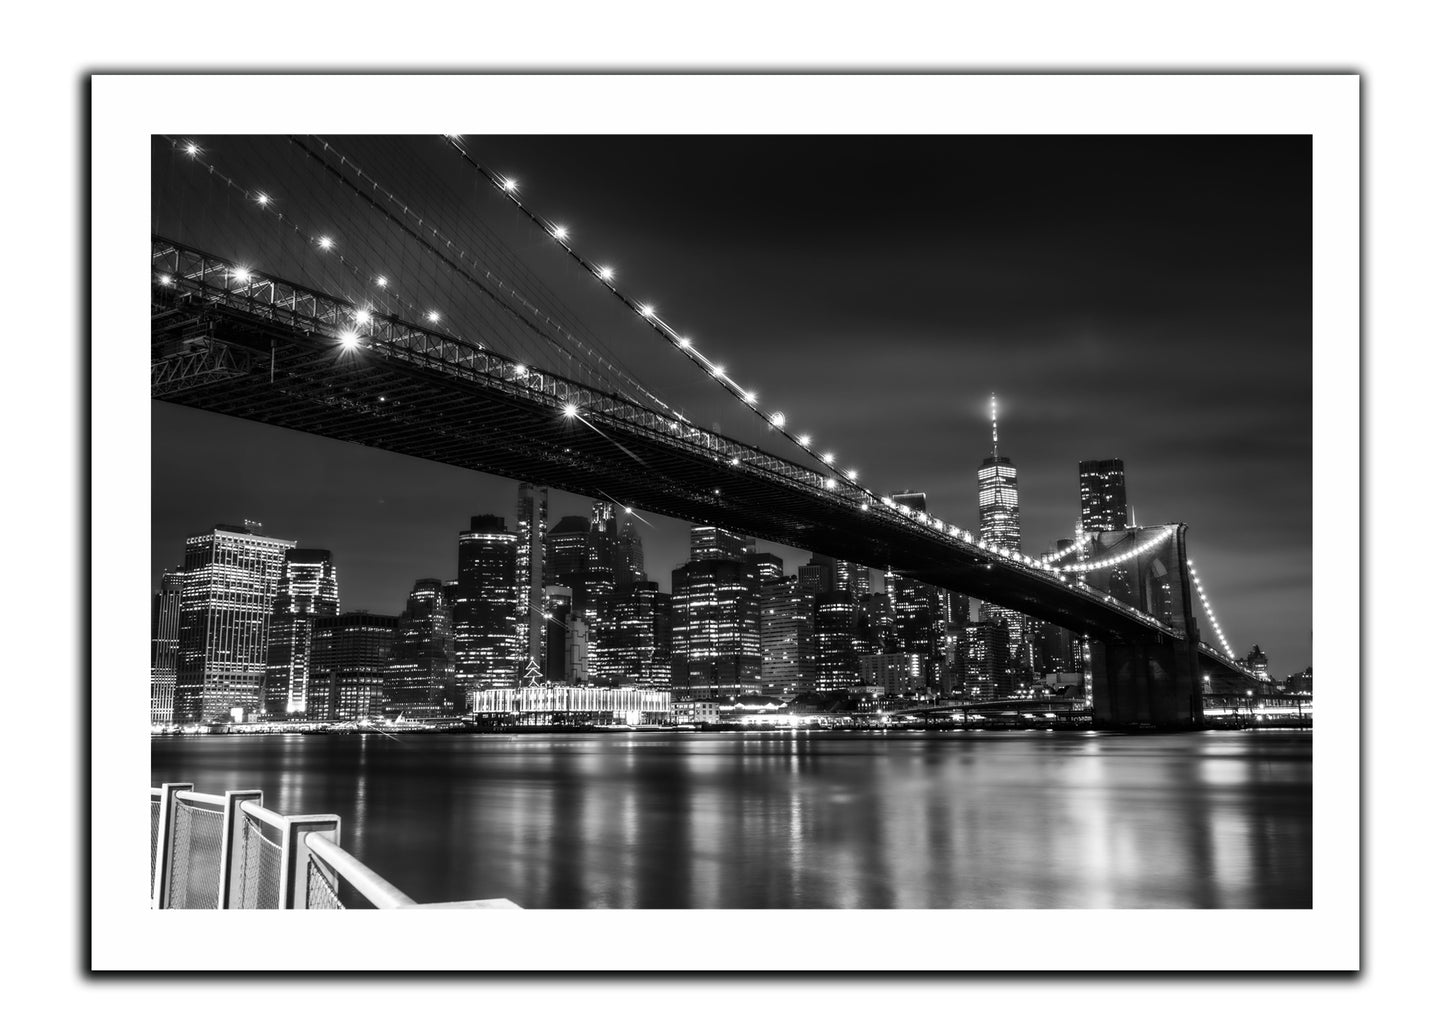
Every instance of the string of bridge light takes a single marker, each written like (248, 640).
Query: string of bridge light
(411, 213)
(1077, 547)
(1204, 600)
(326, 244)
(606, 276)
(1114, 560)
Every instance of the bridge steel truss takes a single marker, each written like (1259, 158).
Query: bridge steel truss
(260, 348)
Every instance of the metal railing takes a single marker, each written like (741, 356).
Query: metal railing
(229, 852)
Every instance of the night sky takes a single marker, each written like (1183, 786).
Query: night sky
(1145, 298)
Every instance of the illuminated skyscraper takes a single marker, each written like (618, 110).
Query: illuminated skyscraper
(165, 644)
(716, 609)
(486, 609)
(228, 588)
(307, 590)
(421, 679)
(566, 563)
(1103, 503)
(630, 566)
(780, 627)
(601, 568)
(835, 630)
(633, 647)
(531, 569)
(350, 657)
(998, 524)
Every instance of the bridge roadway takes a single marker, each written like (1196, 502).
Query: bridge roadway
(267, 350)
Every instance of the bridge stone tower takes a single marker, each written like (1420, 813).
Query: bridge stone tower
(1156, 682)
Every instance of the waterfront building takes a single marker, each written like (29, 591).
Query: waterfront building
(815, 579)
(485, 616)
(716, 643)
(165, 646)
(228, 588)
(421, 678)
(531, 570)
(556, 608)
(780, 627)
(1103, 502)
(835, 632)
(601, 565)
(1257, 663)
(898, 674)
(307, 590)
(546, 704)
(350, 657)
(984, 673)
(633, 647)
(1301, 682)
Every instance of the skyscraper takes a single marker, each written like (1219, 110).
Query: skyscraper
(566, 557)
(1103, 503)
(716, 604)
(485, 616)
(165, 644)
(228, 588)
(307, 590)
(630, 566)
(835, 629)
(779, 635)
(421, 679)
(557, 604)
(350, 658)
(531, 569)
(601, 567)
(633, 647)
(998, 522)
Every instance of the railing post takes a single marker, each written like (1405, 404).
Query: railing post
(165, 850)
(295, 855)
(233, 827)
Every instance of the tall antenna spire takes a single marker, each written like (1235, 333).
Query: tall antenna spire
(993, 408)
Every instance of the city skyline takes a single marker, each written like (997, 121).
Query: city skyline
(1235, 466)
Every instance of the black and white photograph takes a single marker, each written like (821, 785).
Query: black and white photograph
(739, 527)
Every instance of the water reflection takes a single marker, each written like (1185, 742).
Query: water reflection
(1025, 819)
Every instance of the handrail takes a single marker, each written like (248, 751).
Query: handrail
(262, 814)
(375, 889)
(196, 797)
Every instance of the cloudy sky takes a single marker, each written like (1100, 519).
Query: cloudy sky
(1146, 298)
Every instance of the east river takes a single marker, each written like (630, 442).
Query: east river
(654, 819)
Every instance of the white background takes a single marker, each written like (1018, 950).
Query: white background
(44, 87)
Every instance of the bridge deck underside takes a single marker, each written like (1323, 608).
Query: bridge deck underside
(273, 373)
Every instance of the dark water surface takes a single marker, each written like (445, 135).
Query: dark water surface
(970, 819)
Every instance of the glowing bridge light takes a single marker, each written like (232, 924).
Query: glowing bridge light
(827, 458)
(779, 419)
(804, 440)
(166, 280)
(349, 339)
(560, 232)
(519, 370)
(433, 316)
(605, 273)
(263, 199)
(363, 317)
(508, 184)
(684, 342)
(381, 281)
(242, 274)
(750, 397)
(830, 483)
(192, 149)
(736, 461)
(647, 311)
(852, 474)
(627, 511)
(569, 411)
(718, 370)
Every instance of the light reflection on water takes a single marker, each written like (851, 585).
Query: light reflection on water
(976, 819)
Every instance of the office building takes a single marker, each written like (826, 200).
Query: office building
(307, 590)
(566, 557)
(165, 646)
(835, 631)
(780, 626)
(998, 521)
(630, 564)
(1103, 503)
(1257, 663)
(633, 644)
(716, 643)
(898, 674)
(710, 543)
(485, 616)
(601, 565)
(984, 671)
(421, 679)
(228, 588)
(350, 657)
